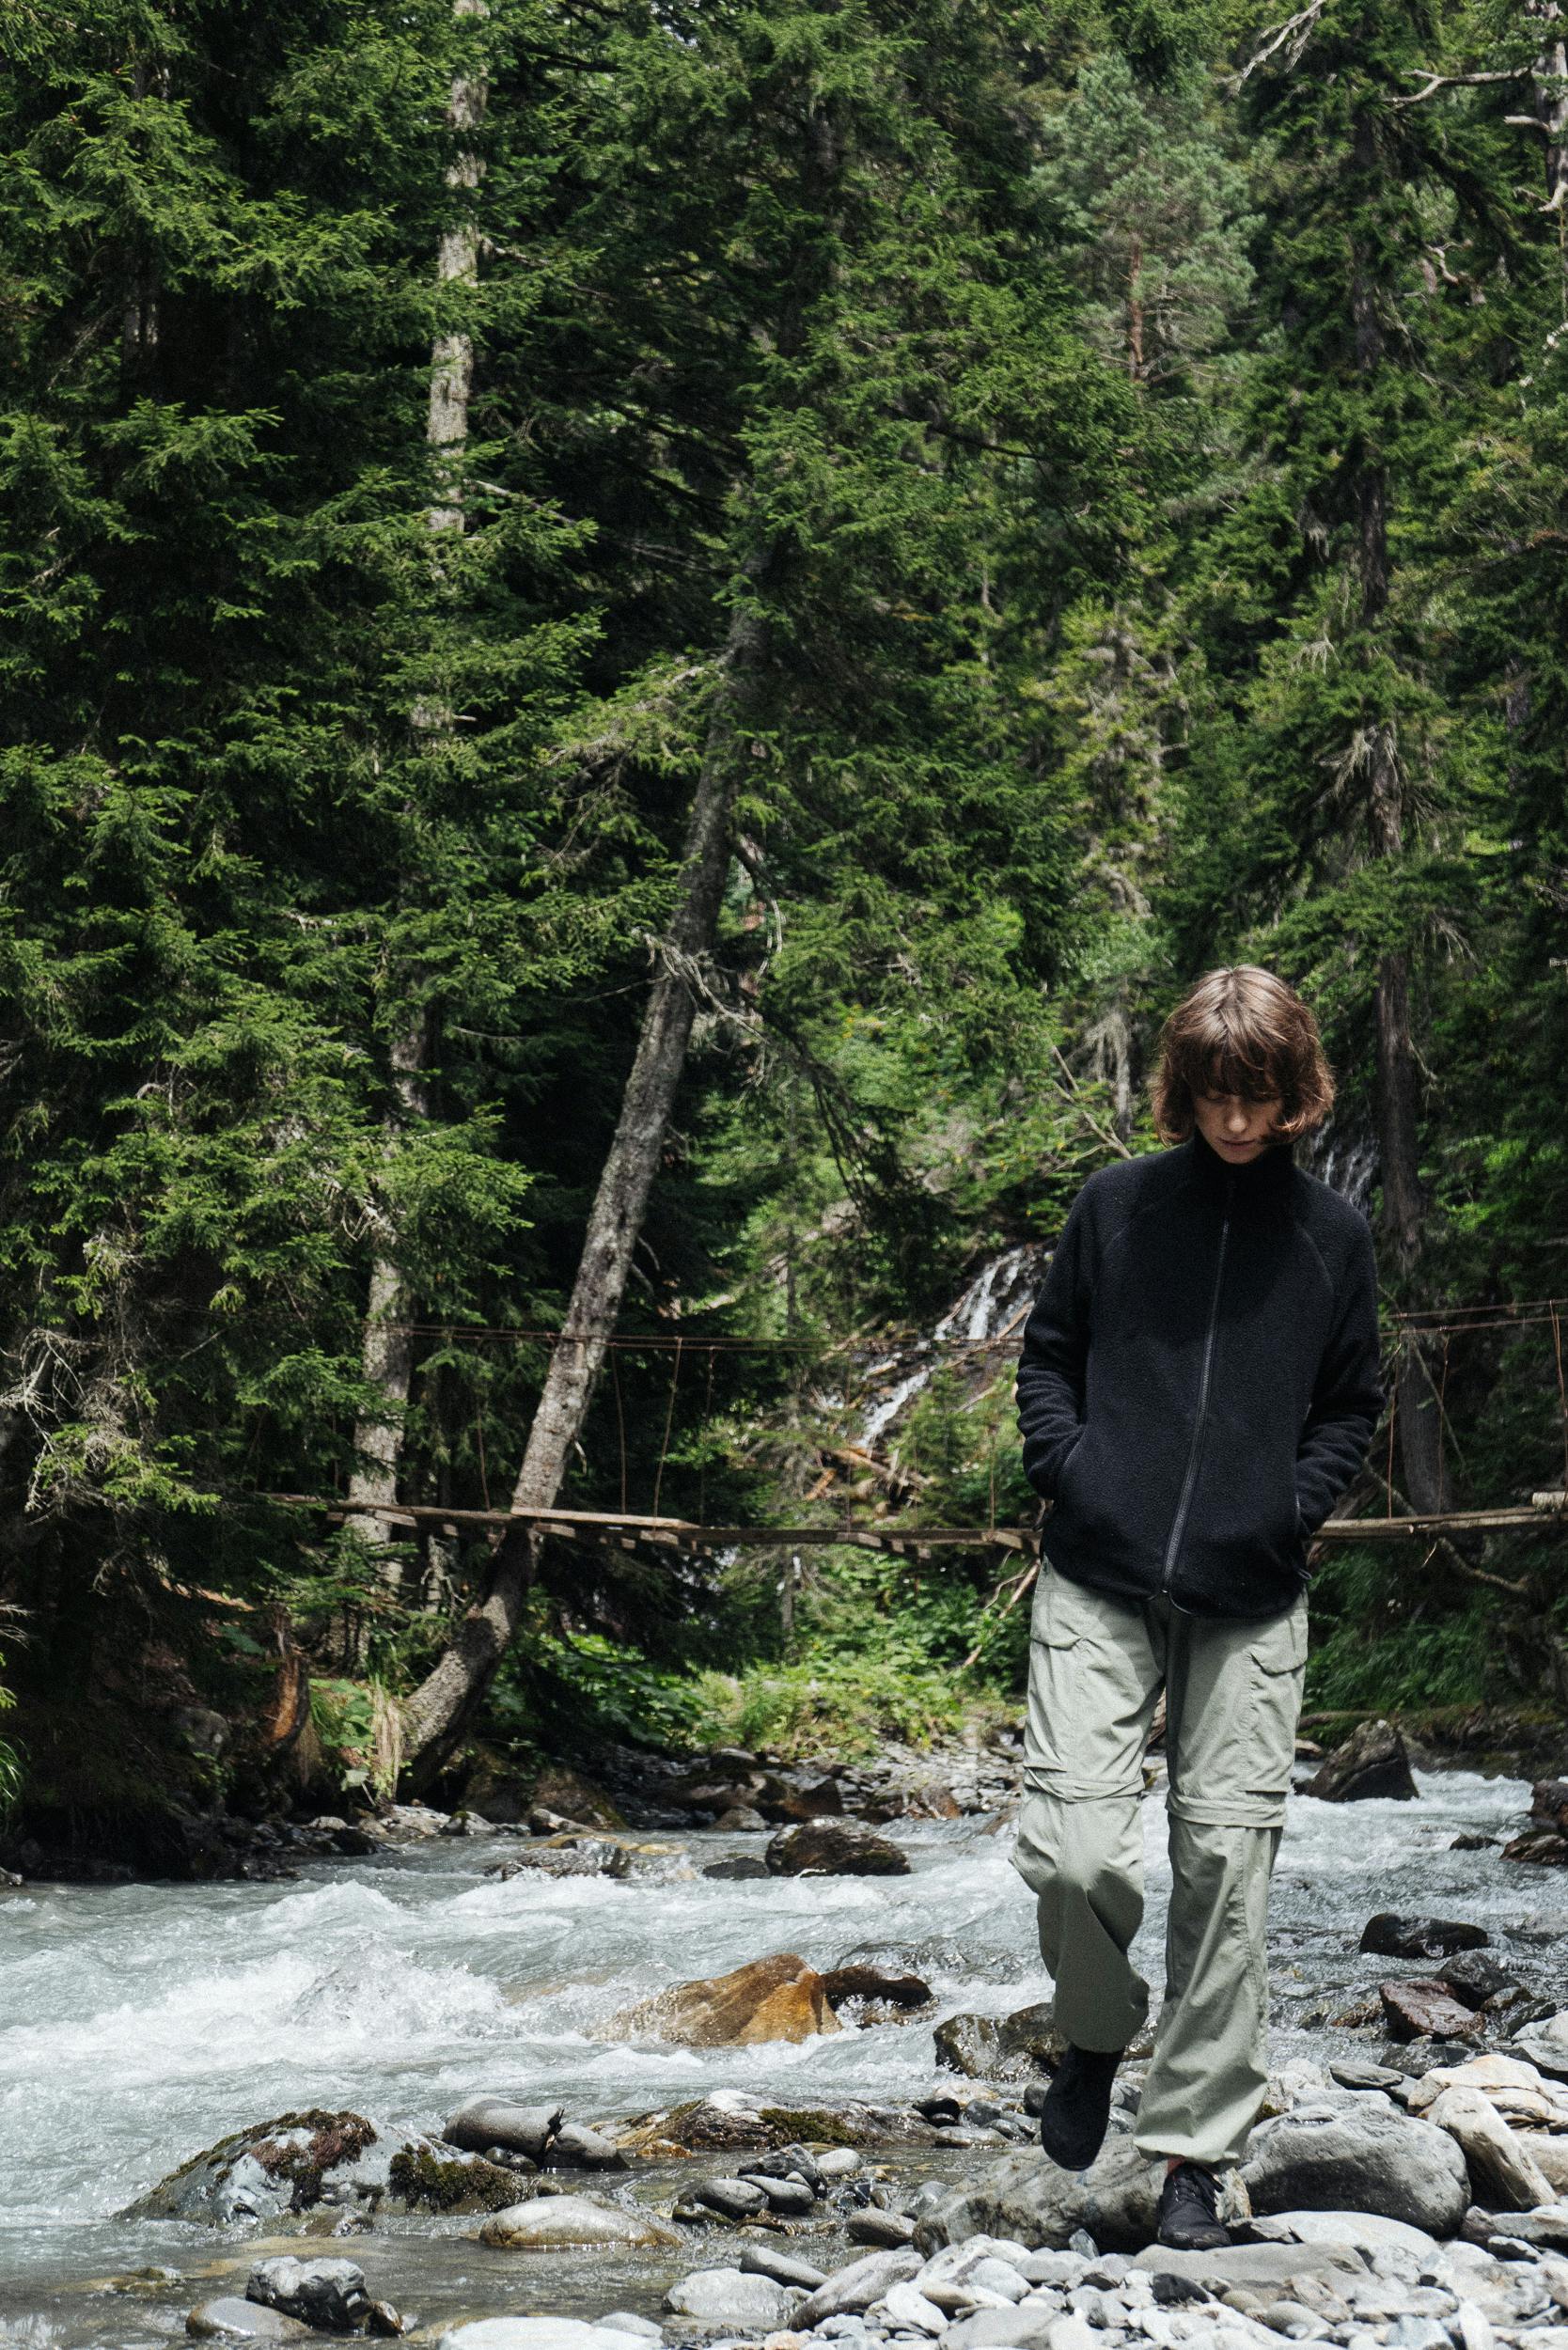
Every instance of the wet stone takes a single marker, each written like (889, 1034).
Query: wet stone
(328, 2293)
(230, 2319)
(1388, 1936)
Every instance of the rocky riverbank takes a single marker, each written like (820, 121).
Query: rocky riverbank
(1418, 2208)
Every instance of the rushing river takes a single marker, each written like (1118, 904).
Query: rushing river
(140, 2023)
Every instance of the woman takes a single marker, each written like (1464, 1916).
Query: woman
(1198, 1384)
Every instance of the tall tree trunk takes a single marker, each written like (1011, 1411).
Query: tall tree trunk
(1401, 1223)
(386, 1361)
(434, 1714)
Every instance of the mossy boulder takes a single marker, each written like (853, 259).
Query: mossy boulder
(273, 2169)
(423, 2176)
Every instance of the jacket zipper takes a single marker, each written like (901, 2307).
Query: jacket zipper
(1180, 1517)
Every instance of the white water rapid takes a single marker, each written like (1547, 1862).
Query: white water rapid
(140, 2023)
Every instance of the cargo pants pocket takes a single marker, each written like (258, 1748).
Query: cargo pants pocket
(1277, 1671)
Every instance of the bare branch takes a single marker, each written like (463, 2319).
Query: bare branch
(1435, 81)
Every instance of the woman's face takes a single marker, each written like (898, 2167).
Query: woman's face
(1234, 1128)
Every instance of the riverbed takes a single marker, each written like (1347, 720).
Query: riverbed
(140, 2023)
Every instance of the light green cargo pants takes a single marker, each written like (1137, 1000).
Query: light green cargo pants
(1232, 1695)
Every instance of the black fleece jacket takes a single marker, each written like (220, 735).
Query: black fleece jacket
(1200, 1377)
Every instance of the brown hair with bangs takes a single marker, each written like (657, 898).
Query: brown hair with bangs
(1241, 1030)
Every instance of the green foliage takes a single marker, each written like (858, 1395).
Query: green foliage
(1037, 379)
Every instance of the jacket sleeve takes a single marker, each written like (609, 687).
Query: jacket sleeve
(1050, 1385)
(1347, 1395)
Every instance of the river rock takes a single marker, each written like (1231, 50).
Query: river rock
(272, 2167)
(1369, 2233)
(1031, 2328)
(1388, 1935)
(568, 1857)
(538, 2333)
(1254, 2267)
(327, 2293)
(1542, 1847)
(733, 1871)
(426, 2174)
(1358, 2155)
(788, 2199)
(732, 2199)
(506, 2122)
(552, 2220)
(736, 2121)
(771, 1999)
(732, 2296)
(888, 2229)
(1373, 1762)
(1477, 1981)
(874, 1982)
(1546, 2044)
(849, 2291)
(740, 1820)
(1502, 2175)
(230, 2319)
(576, 2148)
(789, 2162)
(1032, 2203)
(1414, 2009)
(1010, 2047)
(762, 2259)
(837, 1848)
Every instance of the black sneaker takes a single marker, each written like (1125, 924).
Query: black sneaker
(1076, 2112)
(1189, 2210)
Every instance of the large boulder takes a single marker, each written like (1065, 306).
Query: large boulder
(772, 1998)
(425, 2175)
(1503, 2176)
(1388, 1935)
(505, 2122)
(548, 2223)
(1372, 1761)
(1001, 2047)
(270, 2169)
(1033, 2203)
(1356, 2151)
(834, 1848)
(733, 2297)
(849, 2292)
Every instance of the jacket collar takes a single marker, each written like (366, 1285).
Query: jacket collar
(1262, 1185)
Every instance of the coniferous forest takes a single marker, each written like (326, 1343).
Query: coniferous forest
(642, 645)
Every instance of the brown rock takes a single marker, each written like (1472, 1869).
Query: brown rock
(772, 1998)
(874, 1982)
(1539, 1846)
(1413, 2009)
(1548, 1805)
(1372, 1761)
(1010, 2047)
(837, 1848)
(580, 1799)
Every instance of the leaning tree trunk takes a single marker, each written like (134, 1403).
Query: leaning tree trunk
(434, 1714)
(386, 1362)
(1401, 1224)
